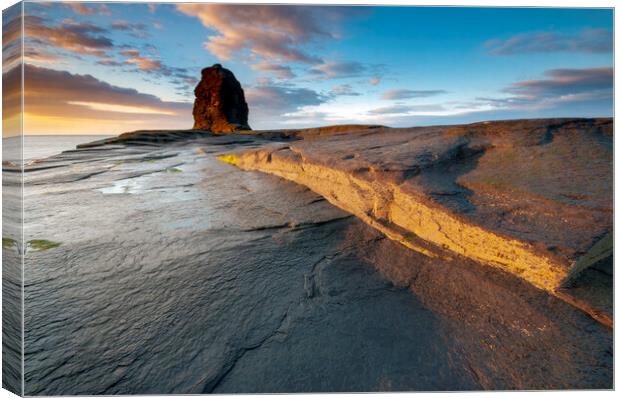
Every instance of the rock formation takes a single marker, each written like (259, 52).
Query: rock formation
(530, 197)
(220, 104)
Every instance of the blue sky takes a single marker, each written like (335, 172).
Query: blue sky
(120, 67)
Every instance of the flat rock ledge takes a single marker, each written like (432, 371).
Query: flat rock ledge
(531, 197)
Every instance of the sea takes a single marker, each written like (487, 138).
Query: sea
(43, 146)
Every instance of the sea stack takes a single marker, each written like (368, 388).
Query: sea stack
(220, 104)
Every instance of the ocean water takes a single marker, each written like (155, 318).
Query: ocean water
(43, 146)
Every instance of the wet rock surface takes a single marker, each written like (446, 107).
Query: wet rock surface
(177, 273)
(220, 102)
(11, 271)
(531, 197)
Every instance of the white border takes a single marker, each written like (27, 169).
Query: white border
(473, 3)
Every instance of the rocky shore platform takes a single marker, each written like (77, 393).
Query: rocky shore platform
(533, 198)
(435, 258)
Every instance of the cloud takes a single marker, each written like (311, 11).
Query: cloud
(54, 98)
(346, 69)
(11, 38)
(41, 57)
(46, 86)
(143, 63)
(398, 94)
(564, 84)
(570, 92)
(336, 70)
(77, 37)
(395, 115)
(109, 62)
(280, 71)
(83, 9)
(81, 39)
(275, 99)
(562, 92)
(272, 105)
(179, 77)
(274, 33)
(407, 109)
(586, 41)
(344, 90)
(138, 30)
(389, 110)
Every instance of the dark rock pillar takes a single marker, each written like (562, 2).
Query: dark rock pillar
(220, 104)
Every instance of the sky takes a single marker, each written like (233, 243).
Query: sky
(108, 68)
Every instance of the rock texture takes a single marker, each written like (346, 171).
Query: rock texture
(530, 197)
(220, 104)
(181, 274)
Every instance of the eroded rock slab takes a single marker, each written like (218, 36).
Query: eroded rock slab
(179, 274)
(531, 197)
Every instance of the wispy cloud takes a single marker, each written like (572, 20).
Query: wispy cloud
(83, 9)
(408, 109)
(144, 63)
(58, 97)
(182, 78)
(109, 61)
(280, 71)
(263, 31)
(332, 70)
(48, 42)
(48, 89)
(586, 41)
(138, 30)
(563, 84)
(336, 70)
(399, 94)
(279, 99)
(398, 114)
(390, 110)
(77, 37)
(11, 38)
(271, 104)
(344, 90)
(574, 89)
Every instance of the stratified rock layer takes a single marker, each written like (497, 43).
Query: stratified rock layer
(531, 197)
(220, 104)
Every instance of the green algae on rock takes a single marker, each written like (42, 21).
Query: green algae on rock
(8, 243)
(36, 245)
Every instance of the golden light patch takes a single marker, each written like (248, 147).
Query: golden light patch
(11, 125)
(41, 124)
(100, 106)
(231, 159)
